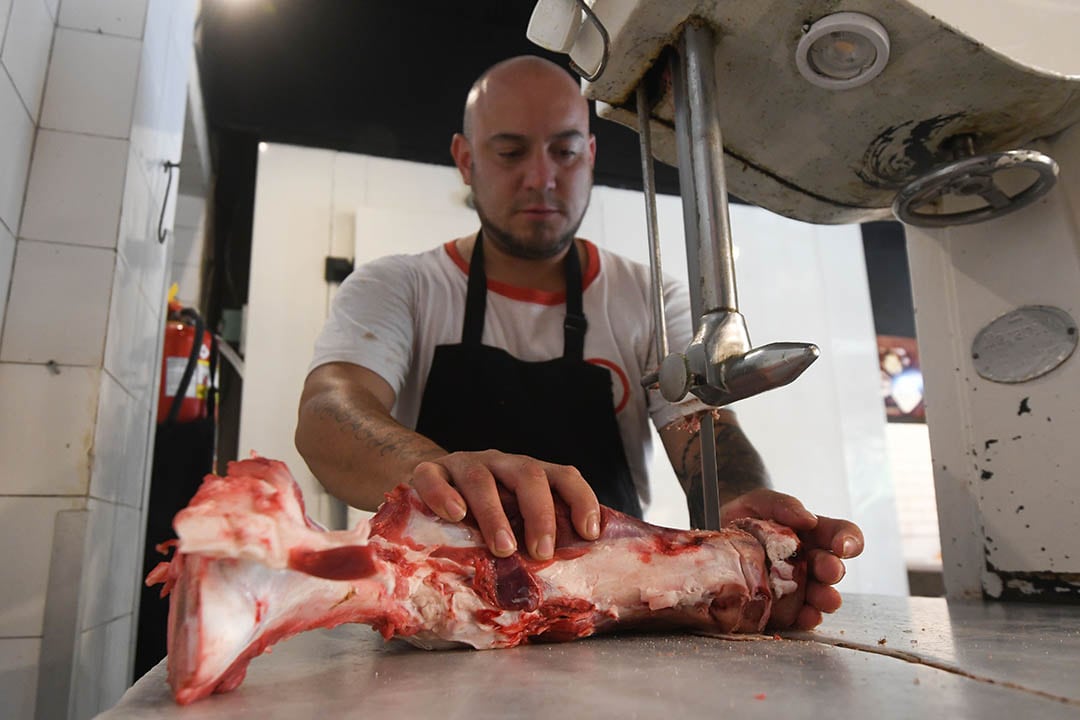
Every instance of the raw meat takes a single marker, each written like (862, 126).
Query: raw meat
(251, 569)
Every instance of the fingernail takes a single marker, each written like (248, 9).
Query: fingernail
(504, 542)
(592, 526)
(455, 510)
(851, 547)
(545, 547)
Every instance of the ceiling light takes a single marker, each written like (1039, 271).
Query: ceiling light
(842, 51)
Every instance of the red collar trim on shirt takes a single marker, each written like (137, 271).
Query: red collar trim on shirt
(541, 297)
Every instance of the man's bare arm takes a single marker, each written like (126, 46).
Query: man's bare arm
(740, 468)
(359, 452)
(349, 440)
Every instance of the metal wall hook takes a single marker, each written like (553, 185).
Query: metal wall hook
(168, 166)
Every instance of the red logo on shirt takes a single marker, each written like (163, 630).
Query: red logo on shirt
(624, 382)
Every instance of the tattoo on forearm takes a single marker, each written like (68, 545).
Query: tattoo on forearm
(739, 468)
(387, 439)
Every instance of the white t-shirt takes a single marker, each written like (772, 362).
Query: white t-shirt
(390, 314)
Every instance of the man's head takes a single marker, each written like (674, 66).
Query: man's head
(527, 152)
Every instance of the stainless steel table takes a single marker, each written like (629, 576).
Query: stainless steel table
(878, 657)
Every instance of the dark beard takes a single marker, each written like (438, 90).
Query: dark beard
(514, 246)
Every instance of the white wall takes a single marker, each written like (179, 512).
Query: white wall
(91, 104)
(822, 437)
(189, 235)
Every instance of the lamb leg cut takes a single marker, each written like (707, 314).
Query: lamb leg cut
(250, 568)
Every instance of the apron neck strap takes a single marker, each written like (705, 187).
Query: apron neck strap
(476, 297)
(574, 326)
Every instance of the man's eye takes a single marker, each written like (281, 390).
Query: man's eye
(510, 154)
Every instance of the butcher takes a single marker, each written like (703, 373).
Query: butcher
(513, 356)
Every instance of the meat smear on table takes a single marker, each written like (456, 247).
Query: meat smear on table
(250, 569)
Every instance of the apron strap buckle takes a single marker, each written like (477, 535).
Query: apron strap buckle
(576, 324)
(574, 327)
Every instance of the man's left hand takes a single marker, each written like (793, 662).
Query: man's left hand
(826, 543)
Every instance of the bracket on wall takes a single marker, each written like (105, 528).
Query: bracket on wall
(337, 269)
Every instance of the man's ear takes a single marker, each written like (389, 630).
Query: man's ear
(461, 151)
(592, 151)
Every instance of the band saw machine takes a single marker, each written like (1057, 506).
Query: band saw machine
(961, 124)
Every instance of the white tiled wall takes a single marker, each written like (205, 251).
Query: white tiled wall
(58, 305)
(88, 666)
(76, 184)
(7, 260)
(16, 142)
(27, 533)
(5, 10)
(95, 608)
(119, 444)
(18, 675)
(91, 106)
(133, 335)
(25, 54)
(53, 462)
(109, 564)
(35, 463)
(91, 83)
(116, 671)
(119, 17)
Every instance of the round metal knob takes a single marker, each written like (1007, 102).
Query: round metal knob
(675, 377)
(974, 176)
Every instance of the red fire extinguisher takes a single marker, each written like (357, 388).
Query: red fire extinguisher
(186, 367)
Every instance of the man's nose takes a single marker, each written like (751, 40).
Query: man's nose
(540, 171)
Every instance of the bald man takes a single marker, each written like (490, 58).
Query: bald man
(514, 356)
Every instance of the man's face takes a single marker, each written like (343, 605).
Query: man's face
(530, 166)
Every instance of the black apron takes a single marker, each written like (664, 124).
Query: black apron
(561, 411)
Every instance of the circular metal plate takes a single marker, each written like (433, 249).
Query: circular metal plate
(1024, 344)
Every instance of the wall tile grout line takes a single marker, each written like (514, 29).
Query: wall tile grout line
(118, 503)
(86, 134)
(7, 295)
(63, 243)
(19, 637)
(46, 496)
(22, 102)
(138, 77)
(103, 623)
(48, 64)
(102, 33)
(7, 26)
(33, 148)
(120, 384)
(59, 366)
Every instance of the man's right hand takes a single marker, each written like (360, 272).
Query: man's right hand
(454, 482)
